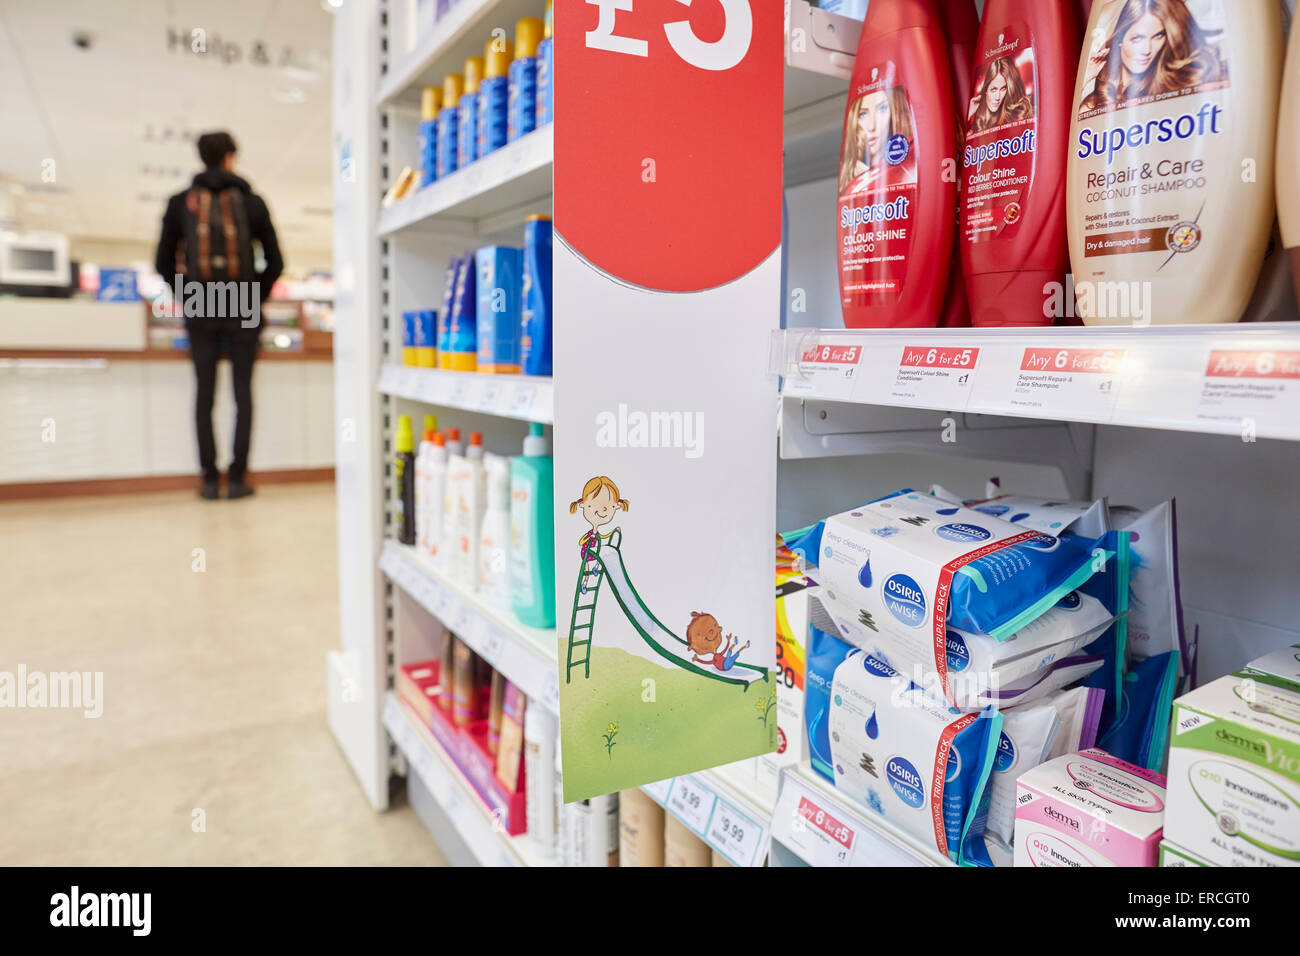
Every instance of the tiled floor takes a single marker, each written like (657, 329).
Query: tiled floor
(209, 622)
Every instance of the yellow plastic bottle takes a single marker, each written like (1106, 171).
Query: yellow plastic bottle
(1170, 178)
(1288, 156)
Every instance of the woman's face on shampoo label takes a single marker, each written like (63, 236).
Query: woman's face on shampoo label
(996, 93)
(873, 124)
(1142, 44)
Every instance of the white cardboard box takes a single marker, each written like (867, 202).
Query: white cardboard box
(1234, 770)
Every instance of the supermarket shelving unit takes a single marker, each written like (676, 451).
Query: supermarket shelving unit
(1222, 440)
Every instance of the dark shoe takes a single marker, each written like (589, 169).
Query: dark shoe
(210, 490)
(237, 489)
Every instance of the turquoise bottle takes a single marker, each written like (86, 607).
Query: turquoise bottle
(532, 531)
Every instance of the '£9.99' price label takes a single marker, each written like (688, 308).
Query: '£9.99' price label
(691, 803)
(734, 834)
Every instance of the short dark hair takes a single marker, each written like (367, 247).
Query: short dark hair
(215, 147)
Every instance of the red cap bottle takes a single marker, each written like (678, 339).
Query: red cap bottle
(895, 218)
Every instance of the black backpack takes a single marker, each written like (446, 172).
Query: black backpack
(217, 244)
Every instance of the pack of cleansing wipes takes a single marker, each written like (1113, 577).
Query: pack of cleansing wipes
(908, 758)
(910, 563)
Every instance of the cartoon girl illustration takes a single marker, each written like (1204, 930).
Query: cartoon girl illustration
(1001, 98)
(1155, 47)
(600, 503)
(704, 639)
(874, 121)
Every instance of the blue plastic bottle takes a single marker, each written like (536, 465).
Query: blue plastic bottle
(448, 121)
(522, 76)
(535, 319)
(467, 114)
(546, 70)
(430, 104)
(532, 531)
(494, 96)
(461, 354)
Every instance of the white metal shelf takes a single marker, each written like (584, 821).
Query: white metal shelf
(488, 194)
(463, 31)
(529, 398)
(720, 811)
(821, 826)
(526, 656)
(1237, 379)
(489, 843)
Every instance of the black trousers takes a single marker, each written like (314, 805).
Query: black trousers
(208, 342)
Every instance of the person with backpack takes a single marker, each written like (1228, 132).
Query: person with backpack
(208, 233)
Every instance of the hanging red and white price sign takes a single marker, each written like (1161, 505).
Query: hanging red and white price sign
(668, 134)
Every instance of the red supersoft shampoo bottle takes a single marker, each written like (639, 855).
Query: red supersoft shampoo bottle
(896, 209)
(961, 25)
(1015, 251)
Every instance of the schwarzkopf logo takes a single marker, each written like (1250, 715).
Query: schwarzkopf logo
(1002, 46)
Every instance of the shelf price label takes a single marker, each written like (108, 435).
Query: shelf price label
(1069, 383)
(1223, 363)
(837, 837)
(935, 376)
(493, 644)
(1255, 390)
(551, 691)
(487, 400)
(691, 803)
(659, 789)
(828, 371)
(734, 835)
(521, 401)
(457, 397)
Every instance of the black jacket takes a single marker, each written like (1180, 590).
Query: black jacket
(259, 228)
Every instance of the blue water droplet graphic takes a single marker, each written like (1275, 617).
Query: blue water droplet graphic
(1020, 517)
(948, 511)
(864, 576)
(873, 728)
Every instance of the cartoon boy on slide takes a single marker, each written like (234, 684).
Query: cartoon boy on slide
(704, 636)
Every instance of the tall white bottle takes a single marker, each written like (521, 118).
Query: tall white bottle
(470, 506)
(447, 545)
(436, 495)
(540, 731)
(423, 489)
(494, 537)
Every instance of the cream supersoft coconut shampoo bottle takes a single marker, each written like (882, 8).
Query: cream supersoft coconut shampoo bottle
(1171, 167)
(1288, 156)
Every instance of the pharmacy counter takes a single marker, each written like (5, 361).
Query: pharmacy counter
(80, 421)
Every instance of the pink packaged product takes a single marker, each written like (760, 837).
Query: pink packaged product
(1089, 809)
